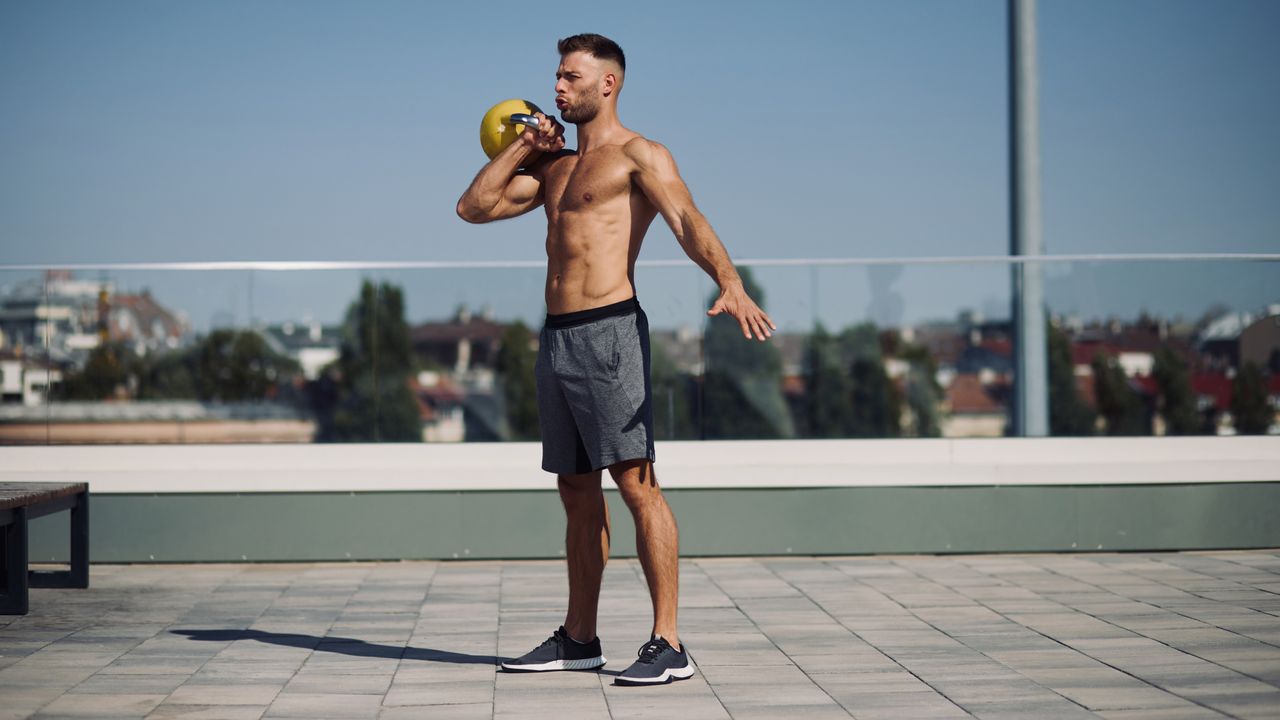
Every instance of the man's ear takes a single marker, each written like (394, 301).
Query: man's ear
(610, 84)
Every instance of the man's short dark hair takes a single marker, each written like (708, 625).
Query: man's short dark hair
(598, 46)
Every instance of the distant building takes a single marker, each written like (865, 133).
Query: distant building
(462, 344)
(310, 344)
(972, 409)
(144, 324)
(25, 380)
(1233, 339)
(65, 318)
(441, 406)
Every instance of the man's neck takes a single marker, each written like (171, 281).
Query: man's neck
(598, 131)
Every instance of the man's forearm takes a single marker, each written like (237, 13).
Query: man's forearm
(702, 246)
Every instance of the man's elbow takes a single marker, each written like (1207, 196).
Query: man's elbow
(470, 213)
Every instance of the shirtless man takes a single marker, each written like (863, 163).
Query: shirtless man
(592, 370)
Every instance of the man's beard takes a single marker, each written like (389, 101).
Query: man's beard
(585, 110)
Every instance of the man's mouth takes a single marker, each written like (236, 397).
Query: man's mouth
(562, 103)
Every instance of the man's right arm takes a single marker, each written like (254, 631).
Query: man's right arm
(500, 191)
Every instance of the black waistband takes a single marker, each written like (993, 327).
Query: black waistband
(581, 317)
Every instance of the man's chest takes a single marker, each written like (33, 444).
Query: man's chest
(576, 182)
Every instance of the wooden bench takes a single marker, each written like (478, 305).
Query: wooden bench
(20, 502)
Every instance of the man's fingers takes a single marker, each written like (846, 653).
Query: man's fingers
(761, 331)
(746, 329)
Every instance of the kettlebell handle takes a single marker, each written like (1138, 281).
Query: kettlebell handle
(523, 119)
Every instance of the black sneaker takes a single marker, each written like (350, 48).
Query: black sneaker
(558, 652)
(659, 663)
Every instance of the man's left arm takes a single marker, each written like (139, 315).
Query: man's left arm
(660, 180)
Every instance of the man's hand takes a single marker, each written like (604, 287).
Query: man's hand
(735, 301)
(547, 137)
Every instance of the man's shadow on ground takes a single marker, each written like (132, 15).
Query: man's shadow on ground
(351, 646)
(343, 646)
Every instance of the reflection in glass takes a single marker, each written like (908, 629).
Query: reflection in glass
(862, 350)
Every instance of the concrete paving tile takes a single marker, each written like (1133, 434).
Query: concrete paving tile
(800, 712)
(22, 702)
(1049, 709)
(102, 706)
(855, 684)
(478, 711)
(139, 684)
(317, 682)
(551, 702)
(870, 702)
(736, 695)
(443, 672)
(324, 705)
(442, 693)
(166, 711)
(154, 665)
(869, 660)
(1132, 697)
(1185, 712)
(202, 694)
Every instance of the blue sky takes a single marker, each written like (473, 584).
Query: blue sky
(319, 130)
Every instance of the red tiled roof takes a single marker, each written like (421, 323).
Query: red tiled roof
(452, 331)
(966, 395)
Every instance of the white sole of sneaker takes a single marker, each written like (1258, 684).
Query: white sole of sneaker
(582, 664)
(667, 676)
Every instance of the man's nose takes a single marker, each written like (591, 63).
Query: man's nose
(560, 86)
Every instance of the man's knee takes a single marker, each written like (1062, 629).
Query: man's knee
(580, 493)
(636, 483)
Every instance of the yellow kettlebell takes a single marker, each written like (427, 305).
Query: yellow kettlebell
(498, 129)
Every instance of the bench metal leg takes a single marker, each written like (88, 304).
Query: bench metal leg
(13, 596)
(80, 542)
(78, 574)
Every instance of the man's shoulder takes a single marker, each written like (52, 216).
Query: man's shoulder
(644, 151)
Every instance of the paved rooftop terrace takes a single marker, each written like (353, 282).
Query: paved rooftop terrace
(1168, 635)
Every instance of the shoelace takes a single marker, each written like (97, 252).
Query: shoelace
(555, 639)
(650, 652)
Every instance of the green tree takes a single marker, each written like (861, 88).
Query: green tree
(1119, 405)
(236, 366)
(1068, 414)
(828, 409)
(1177, 400)
(514, 366)
(876, 401)
(1251, 412)
(371, 400)
(105, 374)
(169, 376)
(742, 388)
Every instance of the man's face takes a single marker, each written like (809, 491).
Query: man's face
(579, 86)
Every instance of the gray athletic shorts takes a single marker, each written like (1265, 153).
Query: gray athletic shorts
(594, 405)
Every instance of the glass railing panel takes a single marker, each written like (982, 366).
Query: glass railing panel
(1163, 348)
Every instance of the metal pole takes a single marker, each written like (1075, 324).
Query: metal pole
(1031, 374)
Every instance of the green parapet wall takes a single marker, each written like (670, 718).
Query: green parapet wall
(808, 521)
